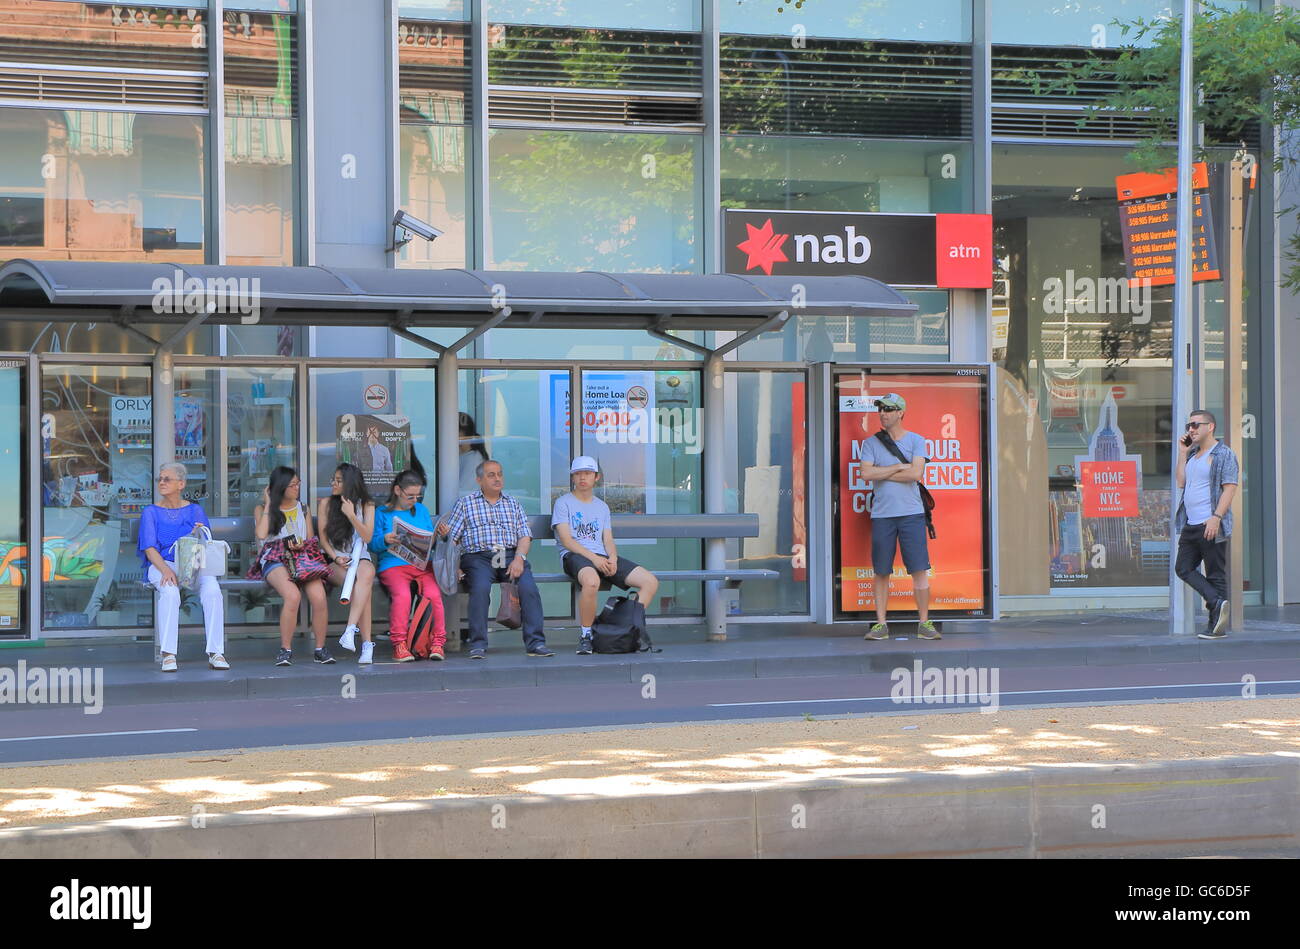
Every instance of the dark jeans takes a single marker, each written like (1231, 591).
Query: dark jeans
(479, 577)
(1193, 550)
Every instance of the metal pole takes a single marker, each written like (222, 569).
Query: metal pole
(1233, 358)
(1180, 614)
(715, 548)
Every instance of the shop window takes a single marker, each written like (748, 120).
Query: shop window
(96, 477)
(930, 20)
(1092, 364)
(14, 556)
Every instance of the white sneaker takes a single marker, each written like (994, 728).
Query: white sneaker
(217, 661)
(348, 640)
(169, 664)
(367, 656)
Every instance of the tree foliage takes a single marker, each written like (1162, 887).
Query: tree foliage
(1247, 66)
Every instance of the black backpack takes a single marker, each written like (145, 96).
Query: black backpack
(621, 627)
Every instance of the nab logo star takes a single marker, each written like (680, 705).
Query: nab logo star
(763, 247)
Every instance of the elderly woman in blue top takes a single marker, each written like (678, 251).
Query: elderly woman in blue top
(161, 525)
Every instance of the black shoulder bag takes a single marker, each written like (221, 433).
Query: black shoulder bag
(927, 499)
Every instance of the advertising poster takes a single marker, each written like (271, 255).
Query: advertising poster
(946, 409)
(380, 445)
(189, 422)
(619, 430)
(1109, 530)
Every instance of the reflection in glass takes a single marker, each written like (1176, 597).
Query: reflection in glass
(625, 14)
(768, 476)
(261, 110)
(1095, 363)
(1086, 23)
(934, 20)
(14, 559)
(810, 174)
(588, 201)
(644, 428)
(433, 112)
(101, 185)
(96, 477)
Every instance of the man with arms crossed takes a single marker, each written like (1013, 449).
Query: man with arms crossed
(581, 523)
(1207, 474)
(897, 515)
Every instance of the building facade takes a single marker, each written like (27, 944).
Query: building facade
(570, 135)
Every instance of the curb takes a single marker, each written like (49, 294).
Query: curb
(1234, 803)
(197, 683)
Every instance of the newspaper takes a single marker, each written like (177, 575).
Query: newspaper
(413, 544)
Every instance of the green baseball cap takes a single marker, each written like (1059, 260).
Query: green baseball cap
(891, 401)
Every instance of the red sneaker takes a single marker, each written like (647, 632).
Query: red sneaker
(401, 653)
(436, 654)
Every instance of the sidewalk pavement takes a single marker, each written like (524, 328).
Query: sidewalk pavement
(1148, 779)
(752, 651)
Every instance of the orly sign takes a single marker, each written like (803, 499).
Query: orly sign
(913, 250)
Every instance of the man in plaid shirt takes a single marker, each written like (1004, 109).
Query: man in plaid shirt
(492, 531)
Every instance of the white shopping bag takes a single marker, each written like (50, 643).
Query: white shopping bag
(214, 553)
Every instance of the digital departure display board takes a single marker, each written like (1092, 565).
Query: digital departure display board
(1147, 210)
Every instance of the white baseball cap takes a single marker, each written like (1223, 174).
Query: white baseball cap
(584, 463)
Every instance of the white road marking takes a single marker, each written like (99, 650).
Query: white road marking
(151, 731)
(1114, 688)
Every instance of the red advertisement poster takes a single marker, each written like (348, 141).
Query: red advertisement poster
(945, 410)
(1109, 488)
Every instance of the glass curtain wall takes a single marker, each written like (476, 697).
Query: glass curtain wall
(1092, 359)
(15, 559)
(120, 183)
(595, 150)
(261, 109)
(435, 118)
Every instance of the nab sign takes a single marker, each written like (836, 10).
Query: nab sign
(911, 250)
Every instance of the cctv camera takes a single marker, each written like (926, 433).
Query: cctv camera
(414, 225)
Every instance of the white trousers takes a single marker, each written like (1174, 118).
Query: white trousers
(167, 611)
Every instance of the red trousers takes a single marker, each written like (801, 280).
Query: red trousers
(397, 580)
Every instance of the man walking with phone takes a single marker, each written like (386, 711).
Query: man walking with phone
(898, 518)
(1207, 475)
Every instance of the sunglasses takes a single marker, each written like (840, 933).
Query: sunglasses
(1192, 425)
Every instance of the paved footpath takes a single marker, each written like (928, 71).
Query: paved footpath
(617, 762)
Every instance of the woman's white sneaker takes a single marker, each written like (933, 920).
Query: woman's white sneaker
(348, 640)
(169, 664)
(217, 661)
(367, 656)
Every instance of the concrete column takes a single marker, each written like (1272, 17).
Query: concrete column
(446, 473)
(164, 411)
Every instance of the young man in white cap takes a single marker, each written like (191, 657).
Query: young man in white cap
(582, 526)
(897, 514)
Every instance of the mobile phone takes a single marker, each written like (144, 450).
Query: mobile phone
(1186, 440)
